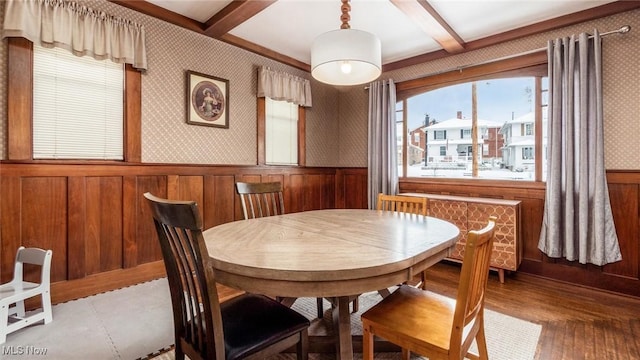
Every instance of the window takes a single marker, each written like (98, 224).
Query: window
(509, 113)
(19, 114)
(416, 138)
(443, 150)
(281, 133)
(440, 134)
(77, 106)
(527, 153)
(528, 129)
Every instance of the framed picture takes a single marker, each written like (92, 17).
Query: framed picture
(207, 100)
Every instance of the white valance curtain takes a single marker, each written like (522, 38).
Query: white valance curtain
(578, 222)
(282, 86)
(83, 31)
(383, 145)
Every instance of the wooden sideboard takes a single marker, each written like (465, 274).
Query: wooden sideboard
(471, 213)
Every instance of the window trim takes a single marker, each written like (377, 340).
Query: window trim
(262, 126)
(533, 64)
(20, 111)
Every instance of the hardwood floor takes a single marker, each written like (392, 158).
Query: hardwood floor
(577, 323)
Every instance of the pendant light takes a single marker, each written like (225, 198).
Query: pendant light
(346, 56)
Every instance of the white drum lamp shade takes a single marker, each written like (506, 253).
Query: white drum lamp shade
(346, 57)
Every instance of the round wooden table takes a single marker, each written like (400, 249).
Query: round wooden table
(337, 253)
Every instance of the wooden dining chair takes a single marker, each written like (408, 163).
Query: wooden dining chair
(246, 326)
(261, 199)
(265, 199)
(433, 325)
(406, 204)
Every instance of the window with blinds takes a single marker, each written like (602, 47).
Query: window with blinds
(281, 132)
(77, 106)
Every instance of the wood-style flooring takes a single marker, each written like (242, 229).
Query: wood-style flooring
(577, 323)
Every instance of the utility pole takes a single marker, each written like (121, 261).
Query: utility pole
(474, 130)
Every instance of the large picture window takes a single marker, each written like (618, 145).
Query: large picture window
(481, 126)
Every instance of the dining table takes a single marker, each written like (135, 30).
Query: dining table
(334, 253)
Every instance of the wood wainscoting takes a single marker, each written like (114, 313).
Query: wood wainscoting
(622, 277)
(93, 216)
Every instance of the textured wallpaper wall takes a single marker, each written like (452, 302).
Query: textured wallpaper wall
(337, 123)
(166, 137)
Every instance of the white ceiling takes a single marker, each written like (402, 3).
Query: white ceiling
(288, 27)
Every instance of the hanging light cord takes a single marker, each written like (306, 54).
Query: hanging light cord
(345, 17)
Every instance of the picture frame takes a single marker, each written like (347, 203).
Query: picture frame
(207, 100)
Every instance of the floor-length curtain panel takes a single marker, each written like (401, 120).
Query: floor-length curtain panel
(383, 146)
(578, 223)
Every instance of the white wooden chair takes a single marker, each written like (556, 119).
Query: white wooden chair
(17, 291)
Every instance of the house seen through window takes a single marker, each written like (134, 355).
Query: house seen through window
(504, 129)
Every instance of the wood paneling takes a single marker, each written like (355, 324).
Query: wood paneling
(219, 199)
(9, 231)
(624, 191)
(102, 234)
(94, 218)
(96, 221)
(43, 220)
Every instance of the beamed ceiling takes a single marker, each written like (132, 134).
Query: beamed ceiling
(411, 31)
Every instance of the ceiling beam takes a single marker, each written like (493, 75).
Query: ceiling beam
(428, 19)
(537, 28)
(548, 25)
(232, 15)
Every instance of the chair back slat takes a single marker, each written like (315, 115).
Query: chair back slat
(198, 328)
(406, 204)
(261, 199)
(473, 284)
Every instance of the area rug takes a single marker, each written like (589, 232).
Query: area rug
(128, 324)
(136, 323)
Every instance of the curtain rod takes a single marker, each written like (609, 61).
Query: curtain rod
(622, 30)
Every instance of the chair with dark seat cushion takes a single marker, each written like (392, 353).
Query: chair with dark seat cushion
(266, 199)
(247, 326)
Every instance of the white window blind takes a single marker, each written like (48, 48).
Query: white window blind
(281, 132)
(77, 106)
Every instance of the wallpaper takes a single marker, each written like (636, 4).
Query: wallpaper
(167, 138)
(337, 122)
